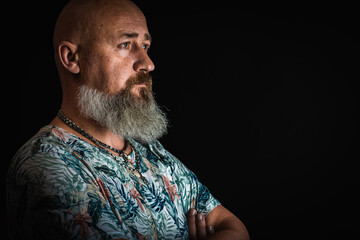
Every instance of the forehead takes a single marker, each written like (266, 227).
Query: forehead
(124, 26)
(118, 20)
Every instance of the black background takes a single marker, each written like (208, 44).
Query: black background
(263, 107)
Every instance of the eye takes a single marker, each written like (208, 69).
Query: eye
(146, 47)
(125, 45)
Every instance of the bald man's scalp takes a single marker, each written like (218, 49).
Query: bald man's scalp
(81, 19)
(84, 21)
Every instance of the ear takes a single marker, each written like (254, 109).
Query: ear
(69, 56)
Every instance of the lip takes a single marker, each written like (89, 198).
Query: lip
(140, 84)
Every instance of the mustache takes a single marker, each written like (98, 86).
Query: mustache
(140, 78)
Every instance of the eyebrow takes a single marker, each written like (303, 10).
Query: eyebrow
(135, 35)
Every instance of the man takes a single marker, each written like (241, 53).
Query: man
(97, 170)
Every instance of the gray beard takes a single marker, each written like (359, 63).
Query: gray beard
(124, 114)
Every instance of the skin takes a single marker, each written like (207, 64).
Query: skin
(104, 60)
(103, 45)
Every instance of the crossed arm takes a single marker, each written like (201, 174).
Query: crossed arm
(220, 223)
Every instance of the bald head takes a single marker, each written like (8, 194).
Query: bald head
(101, 44)
(83, 18)
(83, 22)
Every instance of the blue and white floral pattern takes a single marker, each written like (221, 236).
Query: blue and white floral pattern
(61, 187)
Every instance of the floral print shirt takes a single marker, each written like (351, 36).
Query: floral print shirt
(61, 187)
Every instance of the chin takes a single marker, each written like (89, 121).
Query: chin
(137, 92)
(142, 92)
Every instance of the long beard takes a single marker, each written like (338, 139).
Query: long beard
(125, 114)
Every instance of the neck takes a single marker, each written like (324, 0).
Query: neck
(91, 127)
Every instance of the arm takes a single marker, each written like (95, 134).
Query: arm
(225, 224)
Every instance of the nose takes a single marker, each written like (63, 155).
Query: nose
(143, 63)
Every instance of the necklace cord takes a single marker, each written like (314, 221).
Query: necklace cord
(78, 129)
(122, 154)
(104, 146)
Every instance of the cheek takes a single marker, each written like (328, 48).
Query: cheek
(106, 71)
(118, 74)
(94, 75)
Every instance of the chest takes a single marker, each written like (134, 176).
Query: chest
(147, 204)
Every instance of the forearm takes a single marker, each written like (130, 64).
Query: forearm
(225, 225)
(231, 228)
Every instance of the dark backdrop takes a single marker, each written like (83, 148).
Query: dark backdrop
(263, 107)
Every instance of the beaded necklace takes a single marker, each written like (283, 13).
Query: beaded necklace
(121, 153)
(104, 146)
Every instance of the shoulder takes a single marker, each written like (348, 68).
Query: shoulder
(42, 159)
(45, 171)
(47, 139)
(48, 142)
